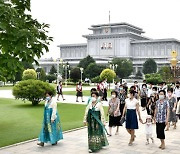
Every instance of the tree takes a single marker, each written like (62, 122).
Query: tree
(32, 90)
(154, 78)
(53, 70)
(139, 75)
(29, 74)
(75, 74)
(86, 61)
(124, 67)
(107, 74)
(51, 77)
(22, 38)
(93, 70)
(149, 66)
(42, 75)
(165, 73)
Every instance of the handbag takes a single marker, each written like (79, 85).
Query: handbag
(122, 120)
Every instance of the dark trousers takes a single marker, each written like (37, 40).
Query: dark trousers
(147, 107)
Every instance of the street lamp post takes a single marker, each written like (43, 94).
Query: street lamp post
(113, 66)
(66, 68)
(38, 73)
(81, 69)
(174, 63)
(69, 74)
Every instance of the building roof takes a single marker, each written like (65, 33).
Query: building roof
(155, 41)
(116, 24)
(73, 45)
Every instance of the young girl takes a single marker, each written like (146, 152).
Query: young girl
(148, 129)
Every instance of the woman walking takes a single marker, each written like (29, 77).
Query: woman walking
(131, 106)
(95, 120)
(114, 113)
(161, 117)
(51, 128)
(79, 92)
(172, 109)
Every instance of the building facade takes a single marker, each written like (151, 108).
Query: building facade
(121, 40)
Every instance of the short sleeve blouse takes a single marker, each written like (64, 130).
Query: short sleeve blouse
(131, 103)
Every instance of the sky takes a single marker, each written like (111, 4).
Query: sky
(70, 19)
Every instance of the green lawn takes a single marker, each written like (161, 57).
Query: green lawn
(85, 93)
(21, 121)
(6, 88)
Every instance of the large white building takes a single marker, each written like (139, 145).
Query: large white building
(120, 40)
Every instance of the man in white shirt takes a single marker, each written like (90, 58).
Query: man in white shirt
(149, 93)
(177, 91)
(105, 89)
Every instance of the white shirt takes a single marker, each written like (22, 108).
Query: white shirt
(149, 92)
(177, 92)
(53, 105)
(148, 128)
(131, 103)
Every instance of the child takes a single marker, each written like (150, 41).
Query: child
(148, 129)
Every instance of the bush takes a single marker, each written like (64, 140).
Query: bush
(155, 78)
(107, 74)
(96, 79)
(32, 90)
(51, 78)
(29, 74)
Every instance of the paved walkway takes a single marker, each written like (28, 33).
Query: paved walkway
(76, 141)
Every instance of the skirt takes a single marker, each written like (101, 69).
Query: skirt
(160, 130)
(114, 121)
(96, 135)
(131, 119)
(79, 94)
(172, 116)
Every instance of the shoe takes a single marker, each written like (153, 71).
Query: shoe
(109, 135)
(117, 133)
(40, 144)
(90, 151)
(166, 129)
(77, 101)
(83, 101)
(147, 143)
(162, 147)
(55, 143)
(130, 143)
(64, 99)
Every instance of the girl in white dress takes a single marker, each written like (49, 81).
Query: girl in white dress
(148, 129)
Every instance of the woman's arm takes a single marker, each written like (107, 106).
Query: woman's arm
(54, 110)
(124, 111)
(138, 111)
(102, 114)
(85, 114)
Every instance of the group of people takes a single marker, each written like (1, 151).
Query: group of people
(162, 105)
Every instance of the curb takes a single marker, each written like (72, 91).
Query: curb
(32, 140)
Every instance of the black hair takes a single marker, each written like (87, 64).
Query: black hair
(132, 92)
(144, 85)
(177, 82)
(95, 93)
(135, 82)
(163, 92)
(114, 92)
(132, 87)
(93, 89)
(154, 88)
(170, 89)
(50, 93)
(59, 82)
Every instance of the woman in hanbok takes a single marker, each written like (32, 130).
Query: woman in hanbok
(95, 120)
(51, 128)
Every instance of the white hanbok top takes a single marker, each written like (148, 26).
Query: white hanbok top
(98, 107)
(53, 105)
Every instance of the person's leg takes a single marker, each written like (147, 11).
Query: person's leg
(129, 131)
(162, 144)
(147, 139)
(58, 97)
(77, 99)
(117, 130)
(174, 125)
(110, 131)
(167, 127)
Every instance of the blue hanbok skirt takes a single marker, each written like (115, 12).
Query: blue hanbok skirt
(131, 119)
(50, 132)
